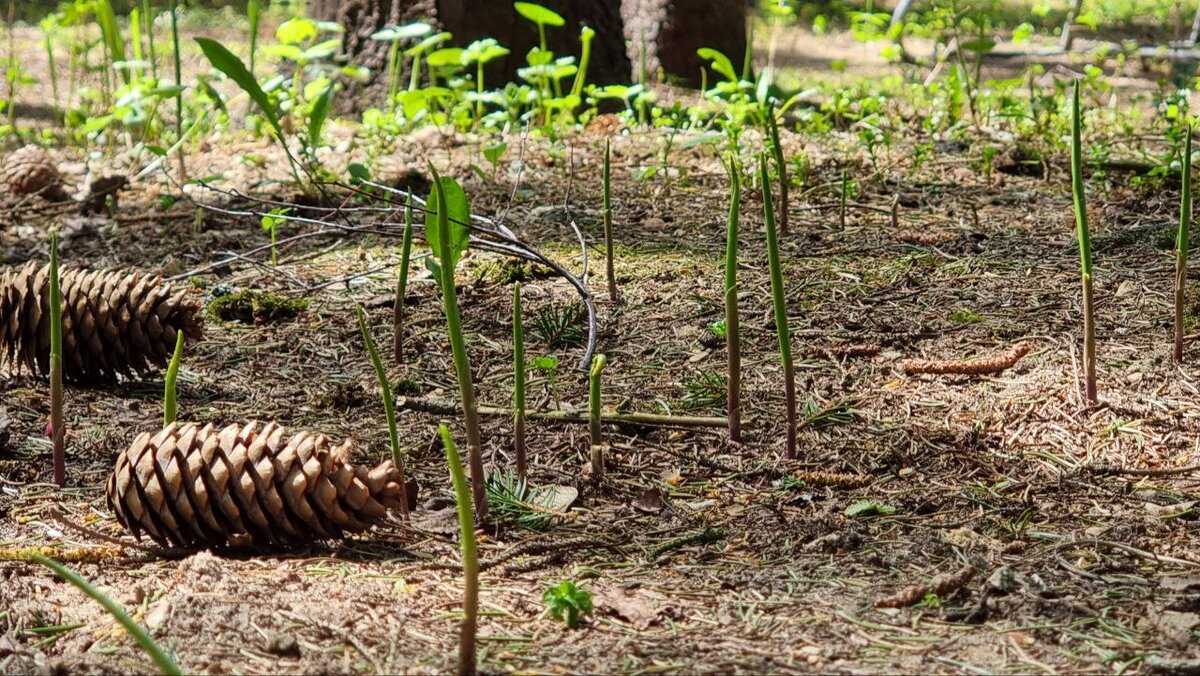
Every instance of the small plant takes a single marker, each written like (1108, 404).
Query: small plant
(594, 431)
(608, 225)
(1085, 248)
(844, 196)
(402, 282)
(548, 365)
(170, 395)
(389, 405)
(780, 303)
(466, 525)
(271, 222)
(518, 383)
(966, 316)
(559, 326)
(567, 603)
(704, 389)
(1183, 243)
(165, 664)
(446, 219)
(780, 165)
(730, 327)
(57, 422)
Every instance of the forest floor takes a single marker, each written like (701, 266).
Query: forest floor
(700, 555)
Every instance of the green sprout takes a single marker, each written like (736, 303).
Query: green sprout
(271, 222)
(567, 603)
(170, 394)
(518, 383)
(57, 423)
(389, 404)
(730, 326)
(548, 364)
(1085, 248)
(594, 431)
(466, 525)
(608, 226)
(780, 166)
(402, 282)
(1183, 243)
(780, 303)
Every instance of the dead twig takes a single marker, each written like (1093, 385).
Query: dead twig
(972, 367)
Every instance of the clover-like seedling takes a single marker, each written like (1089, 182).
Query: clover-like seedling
(568, 603)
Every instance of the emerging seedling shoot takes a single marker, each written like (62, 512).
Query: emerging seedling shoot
(518, 383)
(733, 344)
(57, 424)
(402, 282)
(597, 438)
(389, 404)
(608, 226)
(466, 525)
(780, 304)
(1183, 243)
(170, 394)
(1085, 249)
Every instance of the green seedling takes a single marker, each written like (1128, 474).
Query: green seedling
(492, 152)
(271, 222)
(402, 282)
(396, 35)
(518, 383)
(780, 166)
(1085, 248)
(567, 603)
(466, 526)
(1183, 243)
(254, 17)
(512, 501)
(609, 269)
(594, 431)
(843, 199)
(170, 394)
(57, 393)
(446, 220)
(548, 365)
(389, 404)
(731, 327)
(541, 16)
(165, 664)
(779, 299)
(479, 54)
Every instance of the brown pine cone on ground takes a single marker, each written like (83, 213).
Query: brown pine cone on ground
(113, 323)
(196, 486)
(29, 171)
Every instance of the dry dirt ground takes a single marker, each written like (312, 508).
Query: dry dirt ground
(700, 555)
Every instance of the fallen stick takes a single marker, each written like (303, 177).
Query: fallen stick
(973, 367)
(449, 408)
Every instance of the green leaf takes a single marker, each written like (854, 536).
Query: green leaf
(322, 50)
(427, 44)
(410, 30)
(289, 52)
(225, 61)
(458, 213)
(358, 172)
(538, 14)
(482, 51)
(448, 56)
(296, 31)
(869, 508)
(546, 363)
(719, 62)
(320, 113)
(979, 45)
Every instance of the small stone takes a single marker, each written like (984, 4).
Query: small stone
(1002, 581)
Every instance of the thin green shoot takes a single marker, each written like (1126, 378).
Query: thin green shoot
(389, 404)
(57, 393)
(1085, 248)
(402, 282)
(733, 345)
(470, 557)
(165, 664)
(170, 393)
(594, 430)
(519, 383)
(843, 199)
(1183, 243)
(780, 167)
(779, 300)
(254, 15)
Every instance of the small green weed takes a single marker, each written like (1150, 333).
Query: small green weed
(255, 307)
(558, 326)
(568, 603)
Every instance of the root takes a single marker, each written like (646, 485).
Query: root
(974, 367)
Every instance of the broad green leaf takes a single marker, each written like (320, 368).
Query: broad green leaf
(410, 30)
(322, 50)
(448, 56)
(720, 62)
(296, 31)
(458, 214)
(225, 61)
(320, 113)
(482, 51)
(538, 14)
(546, 363)
(427, 44)
(869, 508)
(289, 52)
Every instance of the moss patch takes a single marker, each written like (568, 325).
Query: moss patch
(255, 307)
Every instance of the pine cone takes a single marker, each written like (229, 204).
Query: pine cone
(192, 486)
(113, 323)
(29, 171)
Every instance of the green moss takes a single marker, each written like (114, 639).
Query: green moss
(255, 307)
(505, 271)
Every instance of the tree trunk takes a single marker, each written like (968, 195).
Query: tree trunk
(661, 35)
